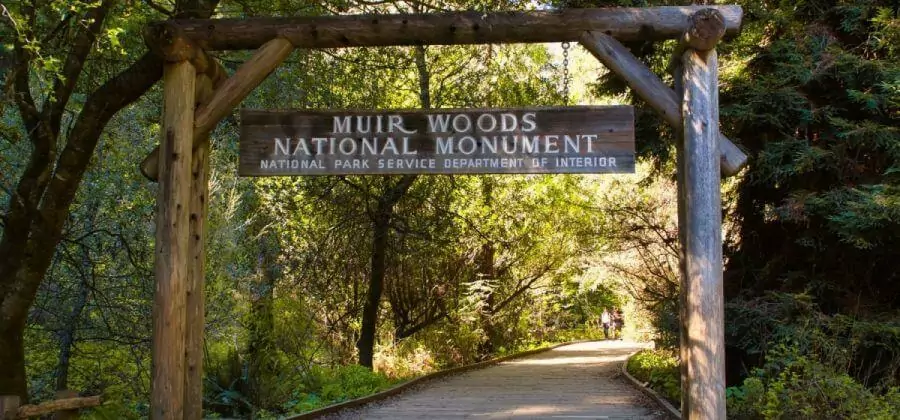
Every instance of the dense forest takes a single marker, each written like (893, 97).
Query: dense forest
(320, 289)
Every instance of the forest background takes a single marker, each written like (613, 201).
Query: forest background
(313, 281)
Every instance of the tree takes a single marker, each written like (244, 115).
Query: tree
(817, 214)
(52, 82)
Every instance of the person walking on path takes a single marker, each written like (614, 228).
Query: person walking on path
(618, 322)
(605, 321)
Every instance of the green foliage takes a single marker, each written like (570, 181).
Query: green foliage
(329, 386)
(815, 99)
(792, 385)
(868, 350)
(660, 370)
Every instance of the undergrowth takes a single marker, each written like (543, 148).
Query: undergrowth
(659, 370)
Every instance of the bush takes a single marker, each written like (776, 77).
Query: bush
(658, 369)
(792, 385)
(867, 349)
(331, 386)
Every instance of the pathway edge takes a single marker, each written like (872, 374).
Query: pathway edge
(403, 386)
(674, 412)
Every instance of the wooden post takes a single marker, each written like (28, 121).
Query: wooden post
(684, 349)
(172, 234)
(231, 92)
(195, 304)
(704, 301)
(9, 407)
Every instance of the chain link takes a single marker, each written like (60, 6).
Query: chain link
(565, 64)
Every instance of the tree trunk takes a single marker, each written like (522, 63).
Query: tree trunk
(67, 338)
(380, 235)
(12, 374)
(67, 335)
(486, 273)
(381, 226)
(262, 323)
(366, 343)
(39, 204)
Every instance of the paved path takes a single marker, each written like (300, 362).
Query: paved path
(578, 381)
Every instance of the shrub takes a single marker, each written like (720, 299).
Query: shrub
(335, 385)
(658, 369)
(793, 385)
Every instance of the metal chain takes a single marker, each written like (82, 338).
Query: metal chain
(565, 64)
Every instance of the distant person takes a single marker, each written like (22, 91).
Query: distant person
(618, 321)
(605, 321)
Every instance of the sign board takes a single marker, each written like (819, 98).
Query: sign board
(582, 139)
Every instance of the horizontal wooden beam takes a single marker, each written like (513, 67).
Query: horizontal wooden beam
(651, 89)
(28, 411)
(647, 23)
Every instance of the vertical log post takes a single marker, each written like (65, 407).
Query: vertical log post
(684, 349)
(195, 303)
(704, 301)
(9, 407)
(172, 234)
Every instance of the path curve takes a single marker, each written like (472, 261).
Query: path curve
(577, 381)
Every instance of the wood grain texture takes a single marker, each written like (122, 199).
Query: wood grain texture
(228, 94)
(170, 43)
(651, 89)
(684, 348)
(65, 414)
(704, 309)
(63, 404)
(649, 23)
(205, 86)
(707, 27)
(488, 149)
(9, 407)
(195, 302)
(247, 77)
(171, 262)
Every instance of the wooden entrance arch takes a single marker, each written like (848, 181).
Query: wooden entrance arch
(198, 93)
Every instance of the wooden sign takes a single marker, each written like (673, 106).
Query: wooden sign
(582, 139)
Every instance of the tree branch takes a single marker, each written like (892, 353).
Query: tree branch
(159, 8)
(81, 47)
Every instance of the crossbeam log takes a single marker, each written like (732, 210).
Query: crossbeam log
(228, 94)
(647, 23)
(651, 89)
(62, 404)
